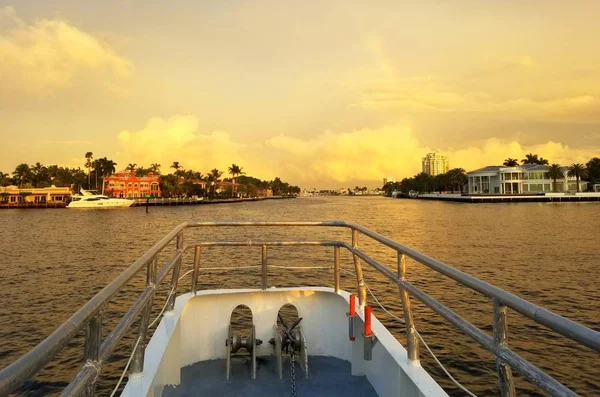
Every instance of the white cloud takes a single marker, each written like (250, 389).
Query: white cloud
(328, 159)
(51, 54)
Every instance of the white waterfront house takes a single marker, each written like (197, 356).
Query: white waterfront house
(527, 178)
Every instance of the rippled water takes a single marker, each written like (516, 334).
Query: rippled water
(53, 261)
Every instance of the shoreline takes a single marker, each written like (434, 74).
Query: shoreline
(541, 198)
(151, 203)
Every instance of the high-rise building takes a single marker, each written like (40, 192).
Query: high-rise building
(390, 179)
(435, 164)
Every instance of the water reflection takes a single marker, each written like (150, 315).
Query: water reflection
(53, 261)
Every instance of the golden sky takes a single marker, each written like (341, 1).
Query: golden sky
(322, 94)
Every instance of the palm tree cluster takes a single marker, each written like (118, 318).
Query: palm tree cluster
(453, 180)
(39, 176)
(590, 171)
(189, 183)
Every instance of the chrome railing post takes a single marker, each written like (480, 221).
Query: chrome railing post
(362, 290)
(336, 268)
(175, 278)
(264, 268)
(196, 269)
(505, 378)
(137, 362)
(93, 341)
(412, 341)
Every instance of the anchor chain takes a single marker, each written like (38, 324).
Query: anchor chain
(293, 372)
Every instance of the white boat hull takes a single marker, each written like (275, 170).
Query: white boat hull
(196, 329)
(111, 203)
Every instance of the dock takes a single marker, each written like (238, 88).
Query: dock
(142, 202)
(26, 205)
(514, 198)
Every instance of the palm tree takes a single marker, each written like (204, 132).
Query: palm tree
(555, 173)
(213, 177)
(89, 156)
(176, 166)
(4, 179)
(39, 175)
(577, 171)
(510, 162)
(543, 161)
(235, 171)
(22, 173)
(531, 159)
(458, 178)
(155, 167)
(108, 168)
(131, 167)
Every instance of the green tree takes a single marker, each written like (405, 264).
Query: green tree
(555, 173)
(22, 174)
(593, 169)
(213, 177)
(4, 179)
(89, 156)
(235, 171)
(510, 162)
(131, 167)
(39, 175)
(106, 168)
(577, 171)
(155, 167)
(176, 166)
(141, 171)
(458, 178)
(530, 158)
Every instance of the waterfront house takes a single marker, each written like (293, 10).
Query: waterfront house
(13, 196)
(524, 179)
(126, 184)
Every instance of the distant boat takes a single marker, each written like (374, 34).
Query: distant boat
(91, 199)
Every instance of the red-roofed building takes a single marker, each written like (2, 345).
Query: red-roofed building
(126, 184)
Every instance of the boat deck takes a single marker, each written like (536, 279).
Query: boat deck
(328, 376)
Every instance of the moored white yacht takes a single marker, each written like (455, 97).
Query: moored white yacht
(91, 199)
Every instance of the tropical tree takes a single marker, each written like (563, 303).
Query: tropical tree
(530, 158)
(4, 179)
(89, 156)
(106, 167)
(593, 169)
(555, 173)
(458, 178)
(577, 171)
(510, 162)
(543, 161)
(155, 167)
(235, 171)
(77, 178)
(22, 174)
(39, 175)
(176, 166)
(131, 167)
(141, 171)
(213, 177)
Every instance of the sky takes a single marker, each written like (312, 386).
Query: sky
(323, 94)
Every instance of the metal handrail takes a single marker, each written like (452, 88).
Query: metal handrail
(96, 352)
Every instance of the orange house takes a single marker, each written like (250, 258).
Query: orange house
(126, 184)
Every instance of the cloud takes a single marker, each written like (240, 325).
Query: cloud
(328, 159)
(51, 54)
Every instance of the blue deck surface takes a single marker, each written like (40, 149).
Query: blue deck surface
(328, 376)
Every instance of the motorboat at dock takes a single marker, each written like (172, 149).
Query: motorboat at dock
(91, 199)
